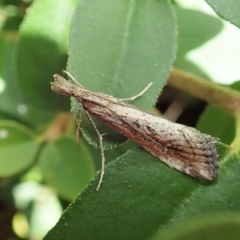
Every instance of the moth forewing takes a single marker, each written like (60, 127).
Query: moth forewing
(181, 147)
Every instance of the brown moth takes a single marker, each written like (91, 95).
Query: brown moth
(181, 147)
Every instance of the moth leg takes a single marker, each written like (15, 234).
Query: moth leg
(139, 94)
(78, 131)
(72, 78)
(101, 148)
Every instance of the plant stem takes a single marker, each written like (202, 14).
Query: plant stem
(223, 97)
(57, 127)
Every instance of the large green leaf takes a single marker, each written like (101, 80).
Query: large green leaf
(118, 47)
(140, 194)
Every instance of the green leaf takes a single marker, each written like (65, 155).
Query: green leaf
(191, 37)
(134, 190)
(121, 56)
(10, 96)
(13, 106)
(42, 49)
(119, 47)
(213, 122)
(229, 10)
(66, 167)
(139, 194)
(209, 227)
(17, 148)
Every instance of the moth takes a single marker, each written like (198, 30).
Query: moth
(181, 147)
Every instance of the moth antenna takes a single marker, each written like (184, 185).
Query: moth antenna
(139, 94)
(72, 78)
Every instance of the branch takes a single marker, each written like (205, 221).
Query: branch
(223, 97)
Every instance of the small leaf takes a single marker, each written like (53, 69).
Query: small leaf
(42, 51)
(229, 10)
(13, 105)
(66, 167)
(191, 37)
(17, 148)
(213, 119)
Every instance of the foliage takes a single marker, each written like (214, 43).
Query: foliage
(116, 47)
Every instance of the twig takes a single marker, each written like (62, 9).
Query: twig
(223, 97)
